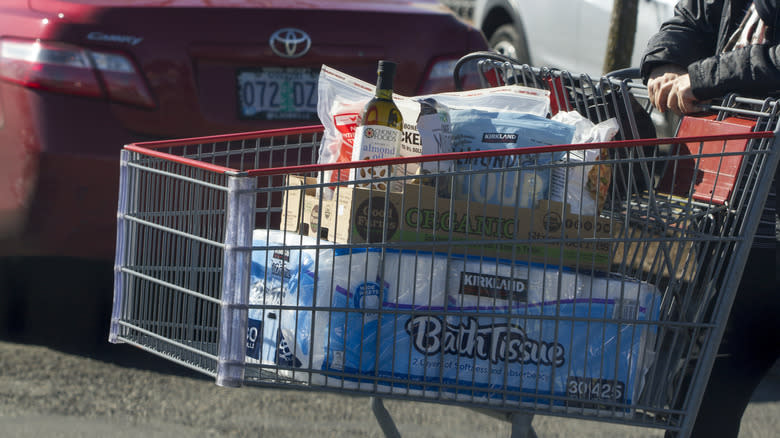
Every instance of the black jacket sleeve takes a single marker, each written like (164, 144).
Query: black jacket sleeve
(690, 35)
(753, 70)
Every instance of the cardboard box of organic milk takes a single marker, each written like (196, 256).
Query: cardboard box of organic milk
(418, 219)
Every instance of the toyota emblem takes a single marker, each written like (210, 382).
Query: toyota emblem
(290, 43)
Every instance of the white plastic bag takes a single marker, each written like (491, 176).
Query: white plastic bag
(515, 98)
(585, 186)
(341, 97)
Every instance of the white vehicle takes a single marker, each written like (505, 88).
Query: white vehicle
(565, 34)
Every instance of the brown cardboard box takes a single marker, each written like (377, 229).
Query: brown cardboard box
(672, 254)
(418, 219)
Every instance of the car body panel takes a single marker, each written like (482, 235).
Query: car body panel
(59, 152)
(400, 6)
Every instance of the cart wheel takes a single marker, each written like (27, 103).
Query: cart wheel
(510, 41)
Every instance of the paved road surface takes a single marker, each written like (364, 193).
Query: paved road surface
(121, 393)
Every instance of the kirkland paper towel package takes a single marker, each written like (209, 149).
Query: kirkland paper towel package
(478, 130)
(448, 320)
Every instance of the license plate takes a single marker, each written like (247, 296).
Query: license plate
(275, 93)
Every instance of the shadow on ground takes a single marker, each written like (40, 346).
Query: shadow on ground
(65, 305)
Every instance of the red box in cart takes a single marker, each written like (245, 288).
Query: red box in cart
(544, 234)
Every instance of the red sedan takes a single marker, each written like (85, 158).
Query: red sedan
(81, 78)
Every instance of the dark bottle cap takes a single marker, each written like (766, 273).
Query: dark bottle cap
(385, 73)
(386, 66)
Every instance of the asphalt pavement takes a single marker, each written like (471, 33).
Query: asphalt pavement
(122, 392)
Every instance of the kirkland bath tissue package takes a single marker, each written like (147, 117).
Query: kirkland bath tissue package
(476, 323)
(430, 324)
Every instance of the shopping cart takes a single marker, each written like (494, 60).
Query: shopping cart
(237, 258)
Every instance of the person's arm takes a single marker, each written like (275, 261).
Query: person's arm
(690, 35)
(752, 70)
(687, 44)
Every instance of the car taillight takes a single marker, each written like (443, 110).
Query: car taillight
(439, 77)
(65, 68)
(122, 80)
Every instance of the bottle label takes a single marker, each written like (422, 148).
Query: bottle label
(373, 142)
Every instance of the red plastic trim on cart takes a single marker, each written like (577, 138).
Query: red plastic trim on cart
(149, 148)
(181, 160)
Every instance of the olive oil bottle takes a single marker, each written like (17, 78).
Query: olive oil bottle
(379, 131)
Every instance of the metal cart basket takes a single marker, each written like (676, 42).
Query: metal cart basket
(491, 286)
